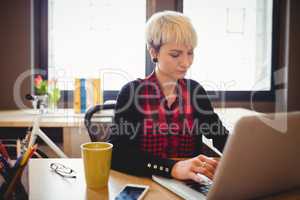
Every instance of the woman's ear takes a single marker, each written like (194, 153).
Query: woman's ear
(153, 53)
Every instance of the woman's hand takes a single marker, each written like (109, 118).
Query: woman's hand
(188, 169)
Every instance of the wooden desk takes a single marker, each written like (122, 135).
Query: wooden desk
(74, 132)
(45, 184)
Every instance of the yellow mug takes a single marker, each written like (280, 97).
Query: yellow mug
(96, 161)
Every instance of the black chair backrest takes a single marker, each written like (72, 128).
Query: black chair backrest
(98, 131)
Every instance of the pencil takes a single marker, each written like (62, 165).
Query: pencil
(4, 151)
(28, 138)
(32, 152)
(28, 154)
(18, 148)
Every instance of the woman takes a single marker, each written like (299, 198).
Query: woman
(161, 119)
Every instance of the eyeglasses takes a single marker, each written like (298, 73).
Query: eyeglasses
(62, 170)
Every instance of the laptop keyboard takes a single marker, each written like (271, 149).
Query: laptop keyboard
(202, 188)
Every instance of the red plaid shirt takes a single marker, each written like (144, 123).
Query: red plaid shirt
(166, 131)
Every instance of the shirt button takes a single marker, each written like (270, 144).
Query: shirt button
(149, 165)
(154, 166)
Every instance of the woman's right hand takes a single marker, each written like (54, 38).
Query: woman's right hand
(188, 169)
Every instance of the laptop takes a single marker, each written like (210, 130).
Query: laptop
(261, 157)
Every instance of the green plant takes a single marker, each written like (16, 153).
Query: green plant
(54, 93)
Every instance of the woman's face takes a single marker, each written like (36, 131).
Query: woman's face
(175, 59)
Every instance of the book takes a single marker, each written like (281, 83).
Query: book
(77, 96)
(87, 93)
(82, 95)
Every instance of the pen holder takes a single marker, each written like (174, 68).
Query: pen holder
(10, 174)
(12, 187)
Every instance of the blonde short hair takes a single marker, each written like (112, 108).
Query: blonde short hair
(169, 26)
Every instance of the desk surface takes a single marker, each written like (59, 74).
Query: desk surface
(45, 184)
(57, 118)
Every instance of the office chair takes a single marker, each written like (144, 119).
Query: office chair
(98, 126)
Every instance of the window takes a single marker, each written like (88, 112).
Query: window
(234, 50)
(93, 39)
(235, 56)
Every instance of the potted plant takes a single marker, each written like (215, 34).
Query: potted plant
(41, 91)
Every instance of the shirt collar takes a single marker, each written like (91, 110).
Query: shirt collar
(152, 77)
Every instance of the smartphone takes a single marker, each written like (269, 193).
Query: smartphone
(132, 192)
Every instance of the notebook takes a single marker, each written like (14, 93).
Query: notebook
(261, 157)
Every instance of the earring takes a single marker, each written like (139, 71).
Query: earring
(154, 60)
